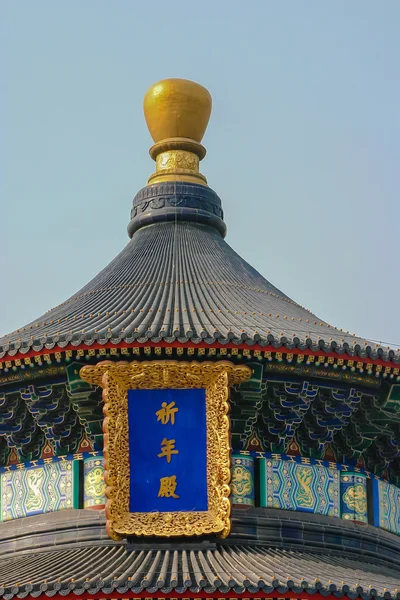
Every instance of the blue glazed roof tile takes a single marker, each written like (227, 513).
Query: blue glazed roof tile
(178, 280)
(224, 570)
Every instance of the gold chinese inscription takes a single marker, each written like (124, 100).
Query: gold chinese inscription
(167, 449)
(168, 487)
(167, 413)
(167, 484)
(116, 379)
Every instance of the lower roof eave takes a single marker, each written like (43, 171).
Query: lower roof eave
(219, 572)
(174, 595)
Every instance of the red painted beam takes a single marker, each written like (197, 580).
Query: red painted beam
(191, 596)
(244, 346)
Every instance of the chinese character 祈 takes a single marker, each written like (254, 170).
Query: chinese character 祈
(167, 413)
(168, 487)
(167, 449)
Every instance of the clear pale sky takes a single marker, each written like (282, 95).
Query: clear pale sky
(303, 143)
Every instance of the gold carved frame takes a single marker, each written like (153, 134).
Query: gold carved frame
(116, 379)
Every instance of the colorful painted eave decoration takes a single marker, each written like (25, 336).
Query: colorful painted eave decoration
(156, 484)
(292, 361)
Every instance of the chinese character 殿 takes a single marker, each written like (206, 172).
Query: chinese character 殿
(168, 487)
(167, 449)
(167, 413)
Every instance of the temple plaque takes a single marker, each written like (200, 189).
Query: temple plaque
(166, 446)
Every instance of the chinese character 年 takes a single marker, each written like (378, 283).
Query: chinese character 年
(167, 449)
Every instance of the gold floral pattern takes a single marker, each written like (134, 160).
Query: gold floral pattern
(242, 483)
(355, 498)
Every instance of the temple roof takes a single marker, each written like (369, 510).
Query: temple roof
(177, 279)
(236, 569)
(268, 550)
(182, 281)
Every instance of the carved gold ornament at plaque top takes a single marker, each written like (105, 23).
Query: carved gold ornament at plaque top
(116, 379)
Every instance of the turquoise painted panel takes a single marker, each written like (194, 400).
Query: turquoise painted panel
(242, 483)
(263, 481)
(294, 486)
(386, 506)
(94, 485)
(34, 490)
(353, 497)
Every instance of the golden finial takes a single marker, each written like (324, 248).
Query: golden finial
(177, 113)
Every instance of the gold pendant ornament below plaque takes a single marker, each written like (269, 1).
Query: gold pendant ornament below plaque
(117, 379)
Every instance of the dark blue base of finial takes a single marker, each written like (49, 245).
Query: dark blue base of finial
(176, 201)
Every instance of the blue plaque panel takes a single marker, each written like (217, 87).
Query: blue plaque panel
(168, 450)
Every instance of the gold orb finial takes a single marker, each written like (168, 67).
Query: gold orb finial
(177, 112)
(177, 108)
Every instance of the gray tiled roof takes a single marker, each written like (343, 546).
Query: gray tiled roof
(268, 549)
(177, 279)
(110, 569)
